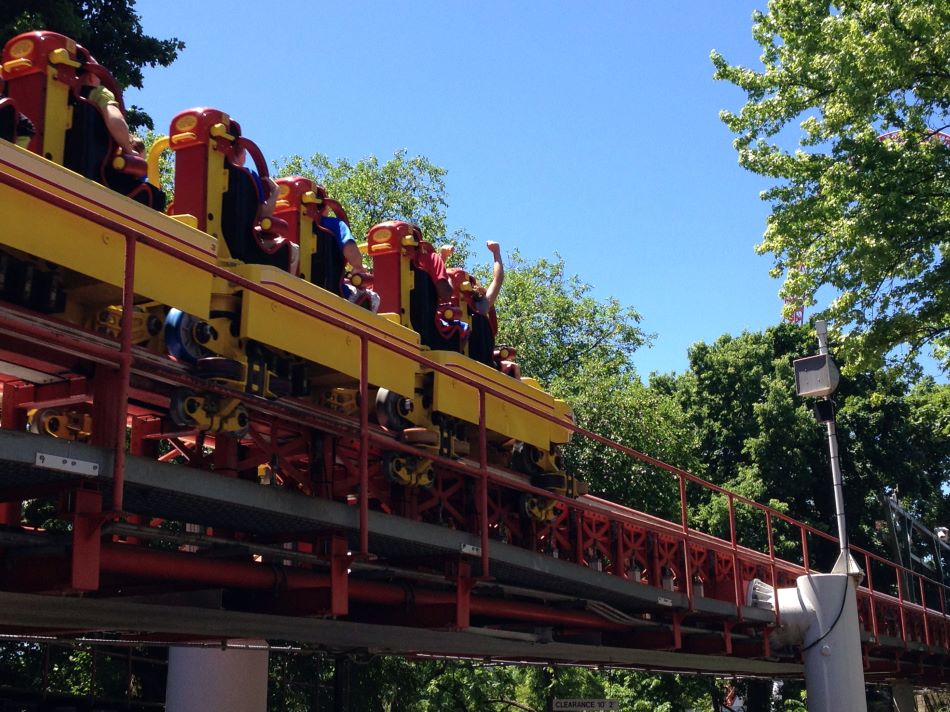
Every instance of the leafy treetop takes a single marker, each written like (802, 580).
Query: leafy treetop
(869, 218)
(110, 29)
(410, 188)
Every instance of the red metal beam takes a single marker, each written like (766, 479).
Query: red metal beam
(166, 566)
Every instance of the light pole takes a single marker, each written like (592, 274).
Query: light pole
(821, 614)
(818, 376)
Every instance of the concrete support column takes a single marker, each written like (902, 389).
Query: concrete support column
(834, 668)
(904, 700)
(202, 679)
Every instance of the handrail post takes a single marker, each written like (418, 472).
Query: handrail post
(774, 582)
(805, 555)
(125, 372)
(483, 480)
(733, 539)
(900, 598)
(684, 518)
(870, 582)
(364, 446)
(923, 602)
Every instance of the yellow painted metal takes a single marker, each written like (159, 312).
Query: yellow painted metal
(33, 226)
(15, 64)
(295, 332)
(58, 117)
(308, 241)
(563, 411)
(154, 156)
(189, 220)
(407, 283)
(62, 56)
(459, 400)
(220, 130)
(217, 187)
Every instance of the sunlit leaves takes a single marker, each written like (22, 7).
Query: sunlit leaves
(864, 216)
(110, 29)
(404, 187)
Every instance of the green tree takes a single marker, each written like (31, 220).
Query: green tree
(110, 29)
(580, 347)
(559, 328)
(402, 188)
(757, 438)
(868, 218)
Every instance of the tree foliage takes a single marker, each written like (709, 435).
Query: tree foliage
(387, 684)
(580, 348)
(867, 217)
(757, 438)
(410, 188)
(561, 330)
(110, 29)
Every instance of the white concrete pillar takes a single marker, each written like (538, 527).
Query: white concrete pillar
(904, 700)
(831, 643)
(232, 679)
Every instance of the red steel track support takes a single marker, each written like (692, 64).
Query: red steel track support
(86, 515)
(339, 575)
(13, 417)
(71, 344)
(464, 583)
(167, 566)
(225, 455)
(15, 395)
(111, 405)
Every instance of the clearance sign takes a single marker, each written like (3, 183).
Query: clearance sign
(560, 705)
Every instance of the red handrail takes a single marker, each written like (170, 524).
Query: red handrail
(368, 435)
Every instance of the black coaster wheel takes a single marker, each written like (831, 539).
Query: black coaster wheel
(182, 407)
(219, 367)
(525, 458)
(392, 409)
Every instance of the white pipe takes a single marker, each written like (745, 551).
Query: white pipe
(821, 614)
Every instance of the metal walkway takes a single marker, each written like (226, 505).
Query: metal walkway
(592, 617)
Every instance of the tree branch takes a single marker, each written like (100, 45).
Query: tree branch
(512, 703)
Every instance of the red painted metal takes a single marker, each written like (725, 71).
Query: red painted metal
(15, 395)
(737, 584)
(86, 516)
(684, 521)
(69, 343)
(10, 513)
(586, 529)
(340, 559)
(464, 583)
(165, 566)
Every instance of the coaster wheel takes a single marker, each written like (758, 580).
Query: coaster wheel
(181, 408)
(392, 409)
(525, 458)
(180, 337)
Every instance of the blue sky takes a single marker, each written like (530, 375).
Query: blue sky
(587, 129)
